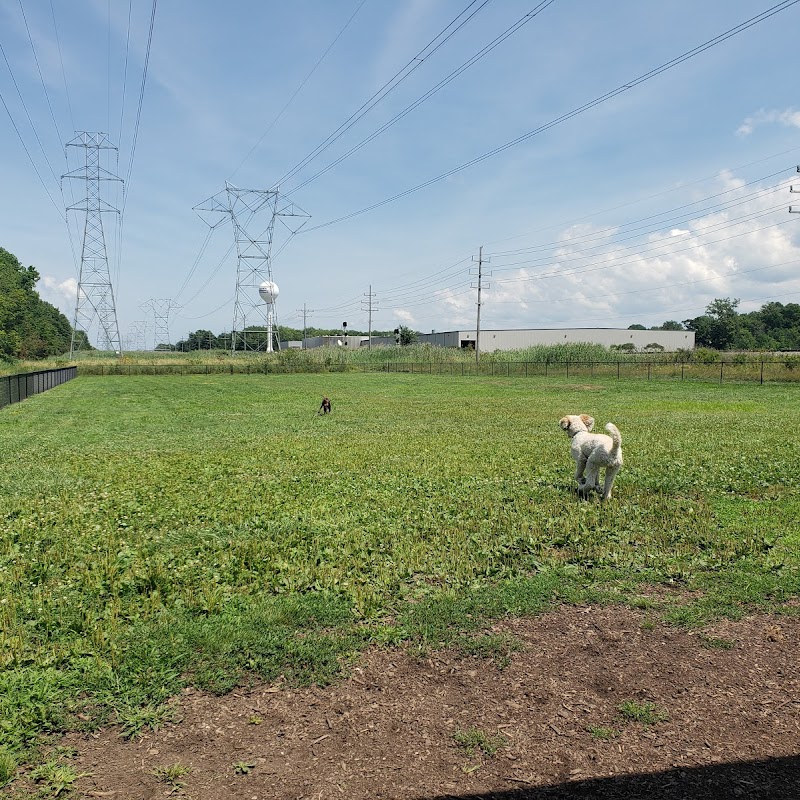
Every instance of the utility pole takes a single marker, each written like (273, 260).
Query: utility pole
(160, 310)
(253, 251)
(479, 286)
(795, 190)
(95, 293)
(306, 312)
(369, 301)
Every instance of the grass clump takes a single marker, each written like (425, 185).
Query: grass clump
(601, 732)
(645, 712)
(475, 739)
(716, 642)
(8, 767)
(172, 774)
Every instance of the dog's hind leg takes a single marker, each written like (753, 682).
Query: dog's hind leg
(611, 474)
(590, 479)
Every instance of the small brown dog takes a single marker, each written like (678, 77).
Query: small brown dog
(325, 408)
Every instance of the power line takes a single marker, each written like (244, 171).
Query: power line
(569, 115)
(30, 157)
(141, 98)
(41, 77)
(671, 221)
(603, 265)
(389, 86)
(421, 292)
(615, 246)
(61, 60)
(420, 100)
(28, 115)
(299, 88)
(571, 298)
(125, 72)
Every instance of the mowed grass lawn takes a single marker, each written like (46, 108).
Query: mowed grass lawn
(157, 531)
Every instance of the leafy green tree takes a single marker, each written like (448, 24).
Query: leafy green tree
(725, 322)
(407, 336)
(29, 327)
(702, 327)
(669, 325)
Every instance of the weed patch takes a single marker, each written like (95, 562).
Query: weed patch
(642, 711)
(475, 739)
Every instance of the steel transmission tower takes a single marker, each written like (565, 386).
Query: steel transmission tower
(95, 293)
(252, 207)
(160, 310)
(138, 335)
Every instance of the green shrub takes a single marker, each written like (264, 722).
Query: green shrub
(705, 355)
(791, 362)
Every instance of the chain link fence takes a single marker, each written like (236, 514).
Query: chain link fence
(751, 370)
(15, 388)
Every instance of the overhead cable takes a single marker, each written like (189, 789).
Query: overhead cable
(569, 115)
(420, 100)
(298, 89)
(414, 64)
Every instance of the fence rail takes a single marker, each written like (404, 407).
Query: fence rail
(15, 388)
(759, 371)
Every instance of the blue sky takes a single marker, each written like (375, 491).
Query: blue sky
(641, 209)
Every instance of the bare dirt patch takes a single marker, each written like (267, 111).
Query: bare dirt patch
(544, 721)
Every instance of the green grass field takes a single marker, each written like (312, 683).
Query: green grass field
(159, 531)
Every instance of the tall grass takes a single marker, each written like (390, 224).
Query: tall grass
(206, 528)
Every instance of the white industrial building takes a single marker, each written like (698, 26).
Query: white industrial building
(520, 339)
(530, 337)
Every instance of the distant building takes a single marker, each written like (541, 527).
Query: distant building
(530, 337)
(350, 342)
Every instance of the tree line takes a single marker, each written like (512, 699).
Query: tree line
(774, 326)
(257, 337)
(30, 328)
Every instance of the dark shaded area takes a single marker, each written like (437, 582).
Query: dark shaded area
(771, 779)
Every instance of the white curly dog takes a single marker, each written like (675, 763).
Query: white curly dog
(592, 452)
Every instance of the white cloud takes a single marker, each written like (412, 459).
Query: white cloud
(61, 294)
(748, 250)
(405, 317)
(789, 118)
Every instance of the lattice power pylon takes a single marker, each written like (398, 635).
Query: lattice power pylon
(95, 298)
(252, 207)
(160, 310)
(137, 338)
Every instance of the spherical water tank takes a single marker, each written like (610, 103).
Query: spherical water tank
(268, 292)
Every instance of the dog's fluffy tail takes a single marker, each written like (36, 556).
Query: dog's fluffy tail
(615, 437)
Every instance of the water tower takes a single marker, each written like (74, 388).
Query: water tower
(268, 291)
